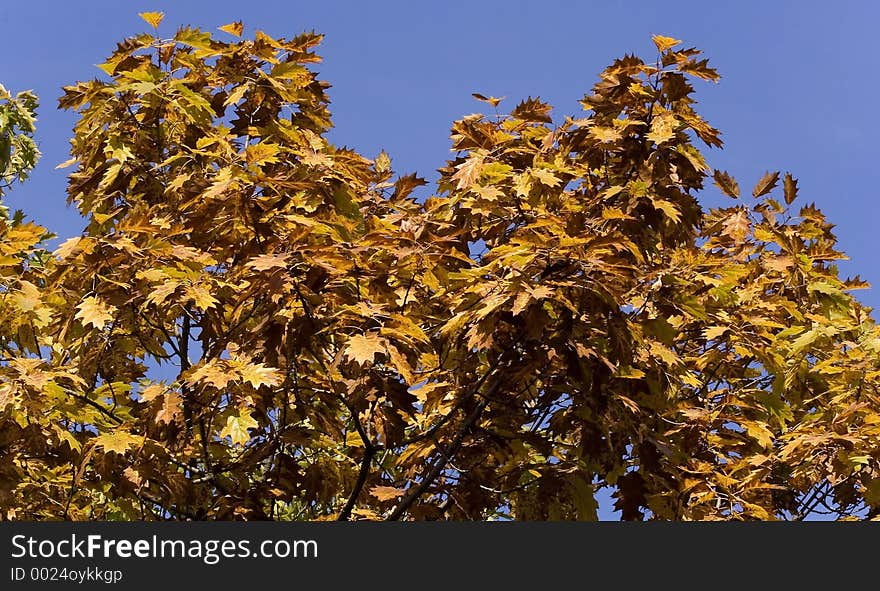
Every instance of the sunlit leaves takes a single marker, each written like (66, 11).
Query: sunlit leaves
(237, 427)
(363, 348)
(92, 311)
(117, 442)
(257, 324)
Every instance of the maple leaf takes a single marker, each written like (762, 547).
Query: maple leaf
(714, 332)
(545, 176)
(212, 373)
(662, 128)
(67, 248)
(172, 408)
(117, 442)
(533, 110)
(382, 162)
(257, 374)
(726, 183)
(93, 311)
(201, 297)
(237, 427)
(27, 297)
(386, 493)
(152, 392)
(362, 348)
(268, 261)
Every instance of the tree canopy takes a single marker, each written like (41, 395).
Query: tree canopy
(257, 324)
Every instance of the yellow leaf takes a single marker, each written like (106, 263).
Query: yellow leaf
(401, 364)
(153, 18)
(665, 354)
(258, 374)
(664, 43)
(268, 261)
(759, 432)
(212, 374)
(468, 171)
(386, 493)
(7, 396)
(520, 302)
(172, 408)
(737, 225)
(382, 162)
(95, 312)
(237, 426)
(201, 297)
(152, 392)
(363, 348)
(27, 298)
(235, 28)
(66, 248)
(288, 70)
(662, 128)
(605, 134)
(713, 332)
(668, 208)
(118, 442)
(67, 163)
(353, 439)
(629, 373)
(263, 152)
(545, 177)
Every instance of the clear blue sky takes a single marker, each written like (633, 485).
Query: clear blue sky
(799, 79)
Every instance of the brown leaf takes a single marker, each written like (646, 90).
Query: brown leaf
(789, 185)
(172, 408)
(737, 225)
(533, 110)
(487, 99)
(766, 184)
(386, 493)
(726, 183)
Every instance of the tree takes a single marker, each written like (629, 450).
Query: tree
(256, 324)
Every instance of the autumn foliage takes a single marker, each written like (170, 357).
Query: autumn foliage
(257, 324)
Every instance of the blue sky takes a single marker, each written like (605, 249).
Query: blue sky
(798, 80)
